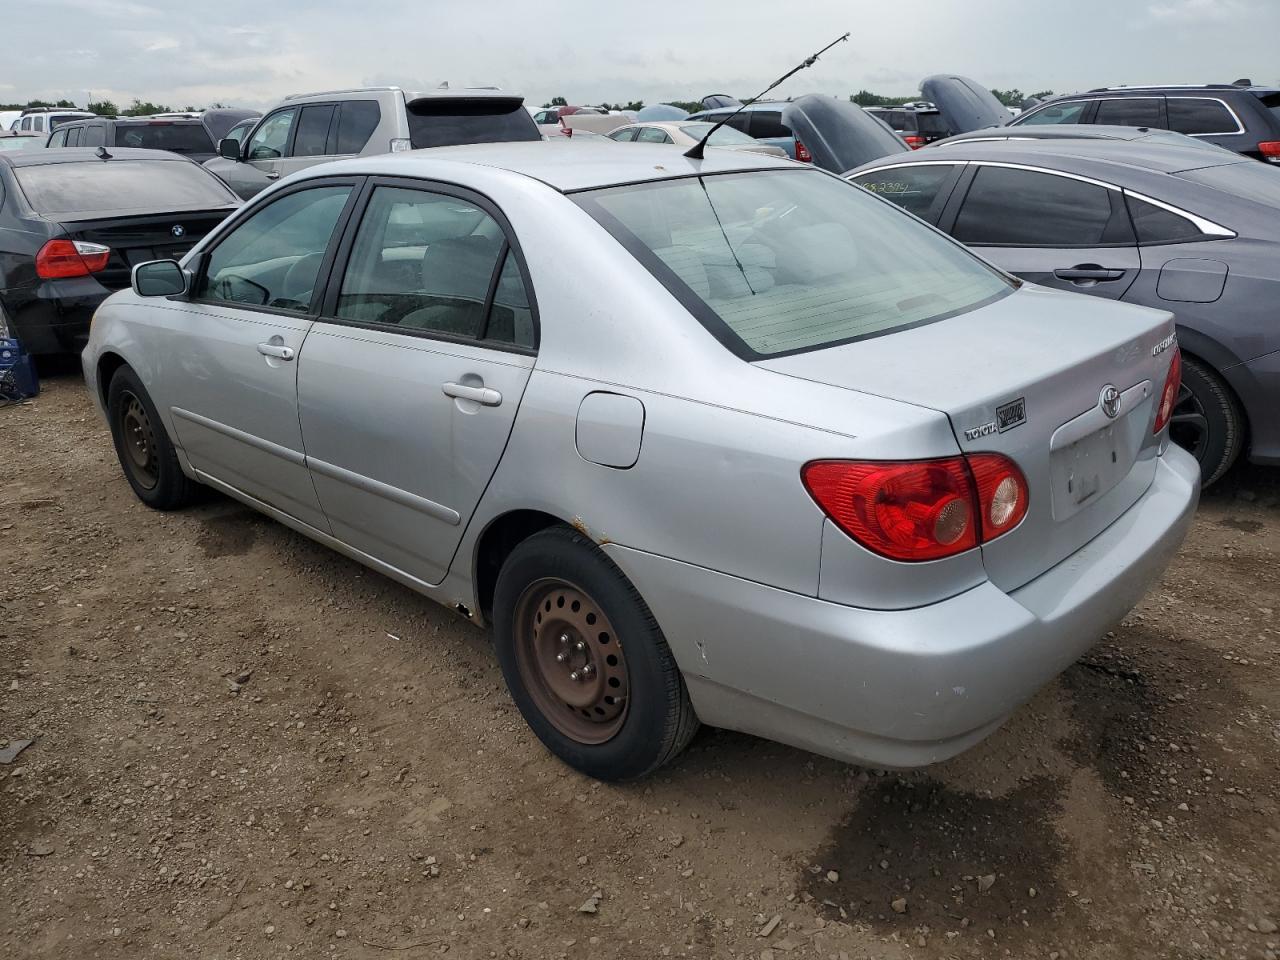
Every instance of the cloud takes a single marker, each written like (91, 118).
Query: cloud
(1202, 11)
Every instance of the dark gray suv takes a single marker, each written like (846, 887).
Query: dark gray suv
(1240, 116)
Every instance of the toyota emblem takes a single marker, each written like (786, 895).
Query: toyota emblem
(1109, 401)
(178, 230)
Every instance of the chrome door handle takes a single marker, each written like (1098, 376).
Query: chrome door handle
(1088, 271)
(272, 176)
(275, 350)
(485, 396)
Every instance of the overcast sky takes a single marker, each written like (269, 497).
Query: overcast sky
(252, 53)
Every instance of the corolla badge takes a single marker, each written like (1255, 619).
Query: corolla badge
(1109, 401)
(178, 230)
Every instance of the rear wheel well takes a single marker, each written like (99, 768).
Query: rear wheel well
(496, 543)
(108, 364)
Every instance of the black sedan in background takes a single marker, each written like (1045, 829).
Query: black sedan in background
(74, 223)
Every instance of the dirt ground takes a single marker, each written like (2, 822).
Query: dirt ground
(248, 746)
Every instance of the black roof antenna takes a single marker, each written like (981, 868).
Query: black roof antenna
(102, 154)
(695, 152)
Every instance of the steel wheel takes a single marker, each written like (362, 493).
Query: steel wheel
(138, 442)
(571, 661)
(1188, 425)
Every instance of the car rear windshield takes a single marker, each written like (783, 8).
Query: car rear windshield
(120, 187)
(776, 262)
(1249, 180)
(1272, 102)
(932, 123)
(161, 135)
(446, 122)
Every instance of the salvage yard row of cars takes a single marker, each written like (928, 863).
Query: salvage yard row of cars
(816, 442)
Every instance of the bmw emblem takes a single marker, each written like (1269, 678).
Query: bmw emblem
(1109, 400)
(178, 230)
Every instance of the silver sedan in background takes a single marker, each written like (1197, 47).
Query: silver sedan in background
(727, 440)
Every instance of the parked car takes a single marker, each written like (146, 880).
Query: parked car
(12, 140)
(1075, 131)
(187, 136)
(601, 123)
(8, 118)
(47, 119)
(837, 482)
(919, 124)
(963, 103)
(686, 133)
(761, 121)
(548, 118)
(1242, 116)
(74, 224)
(240, 131)
(1187, 229)
(311, 128)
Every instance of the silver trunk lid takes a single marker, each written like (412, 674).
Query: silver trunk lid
(1025, 376)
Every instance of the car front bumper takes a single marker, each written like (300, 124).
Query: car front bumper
(904, 688)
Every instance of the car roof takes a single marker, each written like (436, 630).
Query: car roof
(1075, 155)
(564, 167)
(81, 154)
(1207, 89)
(757, 105)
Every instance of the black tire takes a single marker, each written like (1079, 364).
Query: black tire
(659, 720)
(1206, 421)
(144, 449)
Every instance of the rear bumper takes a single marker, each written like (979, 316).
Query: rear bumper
(55, 321)
(904, 688)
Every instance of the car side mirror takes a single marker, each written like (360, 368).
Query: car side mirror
(230, 148)
(159, 278)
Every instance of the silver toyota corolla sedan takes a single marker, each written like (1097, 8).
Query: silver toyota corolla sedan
(728, 441)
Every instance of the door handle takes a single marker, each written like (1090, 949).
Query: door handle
(1088, 271)
(485, 396)
(276, 350)
(274, 175)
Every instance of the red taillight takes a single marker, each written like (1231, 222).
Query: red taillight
(1002, 493)
(59, 259)
(920, 510)
(1169, 395)
(802, 153)
(914, 141)
(1270, 149)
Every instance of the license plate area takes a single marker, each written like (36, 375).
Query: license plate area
(1088, 468)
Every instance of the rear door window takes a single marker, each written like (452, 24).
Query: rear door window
(653, 135)
(73, 136)
(1200, 115)
(1071, 111)
(1022, 208)
(444, 121)
(427, 262)
(94, 136)
(1130, 112)
(357, 119)
(625, 135)
(921, 189)
(312, 138)
(765, 124)
(95, 188)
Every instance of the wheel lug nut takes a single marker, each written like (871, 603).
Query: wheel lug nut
(561, 657)
(575, 676)
(564, 638)
(580, 645)
(588, 670)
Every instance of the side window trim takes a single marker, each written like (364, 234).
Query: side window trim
(1212, 133)
(1115, 194)
(342, 258)
(1208, 228)
(326, 263)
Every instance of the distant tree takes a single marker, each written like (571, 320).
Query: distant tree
(1040, 95)
(865, 98)
(558, 102)
(693, 106)
(1010, 98)
(103, 108)
(140, 109)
